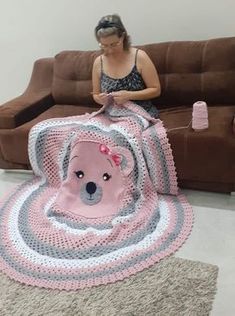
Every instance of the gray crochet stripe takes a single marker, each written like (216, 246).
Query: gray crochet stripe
(48, 250)
(163, 161)
(123, 112)
(108, 271)
(40, 143)
(66, 162)
(151, 167)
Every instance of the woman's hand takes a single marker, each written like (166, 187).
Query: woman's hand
(102, 98)
(121, 96)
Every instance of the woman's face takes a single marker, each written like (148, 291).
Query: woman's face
(111, 44)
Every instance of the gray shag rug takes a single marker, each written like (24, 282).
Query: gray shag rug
(174, 287)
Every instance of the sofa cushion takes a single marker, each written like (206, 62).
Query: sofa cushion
(206, 155)
(195, 70)
(72, 77)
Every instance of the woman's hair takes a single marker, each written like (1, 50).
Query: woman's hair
(112, 25)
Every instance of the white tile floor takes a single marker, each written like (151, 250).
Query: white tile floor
(212, 239)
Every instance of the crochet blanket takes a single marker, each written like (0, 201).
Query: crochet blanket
(103, 205)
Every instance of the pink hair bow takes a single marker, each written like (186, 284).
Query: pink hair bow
(115, 157)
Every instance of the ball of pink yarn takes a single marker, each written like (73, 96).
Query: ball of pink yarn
(200, 116)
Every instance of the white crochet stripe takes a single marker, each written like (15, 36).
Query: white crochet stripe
(81, 232)
(48, 261)
(144, 121)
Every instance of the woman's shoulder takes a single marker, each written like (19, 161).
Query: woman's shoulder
(97, 62)
(97, 59)
(142, 58)
(142, 55)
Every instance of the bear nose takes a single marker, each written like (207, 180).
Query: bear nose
(91, 187)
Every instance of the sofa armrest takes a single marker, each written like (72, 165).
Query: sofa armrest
(36, 99)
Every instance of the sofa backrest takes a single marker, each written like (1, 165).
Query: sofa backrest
(195, 70)
(72, 77)
(189, 71)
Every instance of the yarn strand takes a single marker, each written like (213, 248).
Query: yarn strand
(199, 118)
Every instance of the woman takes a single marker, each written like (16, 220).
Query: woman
(93, 215)
(122, 71)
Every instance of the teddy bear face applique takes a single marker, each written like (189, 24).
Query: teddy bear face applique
(95, 182)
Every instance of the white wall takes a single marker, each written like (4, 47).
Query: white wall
(32, 29)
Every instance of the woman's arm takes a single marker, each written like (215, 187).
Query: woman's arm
(100, 98)
(149, 74)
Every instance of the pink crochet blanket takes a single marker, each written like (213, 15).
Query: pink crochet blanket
(103, 205)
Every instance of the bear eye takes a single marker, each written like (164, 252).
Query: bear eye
(79, 174)
(106, 176)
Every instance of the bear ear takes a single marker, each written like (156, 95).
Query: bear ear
(127, 161)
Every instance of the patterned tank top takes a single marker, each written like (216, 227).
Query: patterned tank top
(132, 82)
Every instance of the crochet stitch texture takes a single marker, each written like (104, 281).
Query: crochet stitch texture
(77, 225)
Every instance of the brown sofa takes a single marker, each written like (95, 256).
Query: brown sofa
(189, 71)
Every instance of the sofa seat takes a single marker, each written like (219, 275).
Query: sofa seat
(15, 141)
(203, 157)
